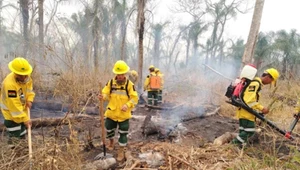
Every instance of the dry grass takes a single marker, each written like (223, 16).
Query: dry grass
(50, 151)
(61, 147)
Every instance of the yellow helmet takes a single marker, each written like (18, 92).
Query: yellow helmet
(273, 72)
(133, 73)
(120, 67)
(156, 70)
(20, 66)
(151, 66)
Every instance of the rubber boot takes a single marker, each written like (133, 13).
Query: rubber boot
(110, 146)
(121, 155)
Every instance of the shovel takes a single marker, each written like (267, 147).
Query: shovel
(103, 155)
(29, 141)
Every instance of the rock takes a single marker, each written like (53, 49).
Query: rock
(154, 159)
(100, 164)
(225, 138)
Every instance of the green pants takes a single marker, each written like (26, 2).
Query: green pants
(15, 130)
(152, 97)
(246, 130)
(160, 96)
(111, 126)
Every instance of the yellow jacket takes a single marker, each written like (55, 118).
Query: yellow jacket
(117, 97)
(147, 81)
(11, 105)
(297, 108)
(251, 99)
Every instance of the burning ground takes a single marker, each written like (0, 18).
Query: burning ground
(180, 136)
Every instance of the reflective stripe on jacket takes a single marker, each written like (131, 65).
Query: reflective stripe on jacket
(117, 98)
(251, 99)
(11, 105)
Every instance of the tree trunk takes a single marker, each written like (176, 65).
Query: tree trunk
(253, 34)
(96, 44)
(123, 33)
(141, 23)
(1, 37)
(188, 42)
(157, 40)
(41, 29)
(25, 17)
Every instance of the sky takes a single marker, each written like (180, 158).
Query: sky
(277, 15)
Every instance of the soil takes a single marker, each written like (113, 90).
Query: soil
(203, 124)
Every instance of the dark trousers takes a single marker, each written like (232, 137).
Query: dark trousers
(111, 126)
(15, 131)
(246, 130)
(152, 97)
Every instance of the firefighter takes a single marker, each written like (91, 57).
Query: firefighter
(158, 73)
(133, 76)
(122, 97)
(152, 94)
(251, 96)
(16, 96)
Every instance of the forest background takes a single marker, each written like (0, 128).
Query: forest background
(77, 42)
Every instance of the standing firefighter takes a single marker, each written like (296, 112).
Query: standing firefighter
(152, 85)
(133, 76)
(122, 97)
(16, 96)
(158, 73)
(251, 97)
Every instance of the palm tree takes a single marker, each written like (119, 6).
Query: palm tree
(80, 23)
(288, 44)
(237, 49)
(196, 29)
(263, 48)
(221, 12)
(157, 32)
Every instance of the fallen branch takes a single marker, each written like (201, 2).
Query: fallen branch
(213, 112)
(225, 138)
(170, 162)
(183, 161)
(130, 161)
(38, 122)
(134, 165)
(143, 169)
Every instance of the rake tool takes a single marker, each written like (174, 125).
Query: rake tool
(101, 113)
(29, 141)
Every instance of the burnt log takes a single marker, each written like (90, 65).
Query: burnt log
(164, 128)
(149, 127)
(44, 122)
(225, 138)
